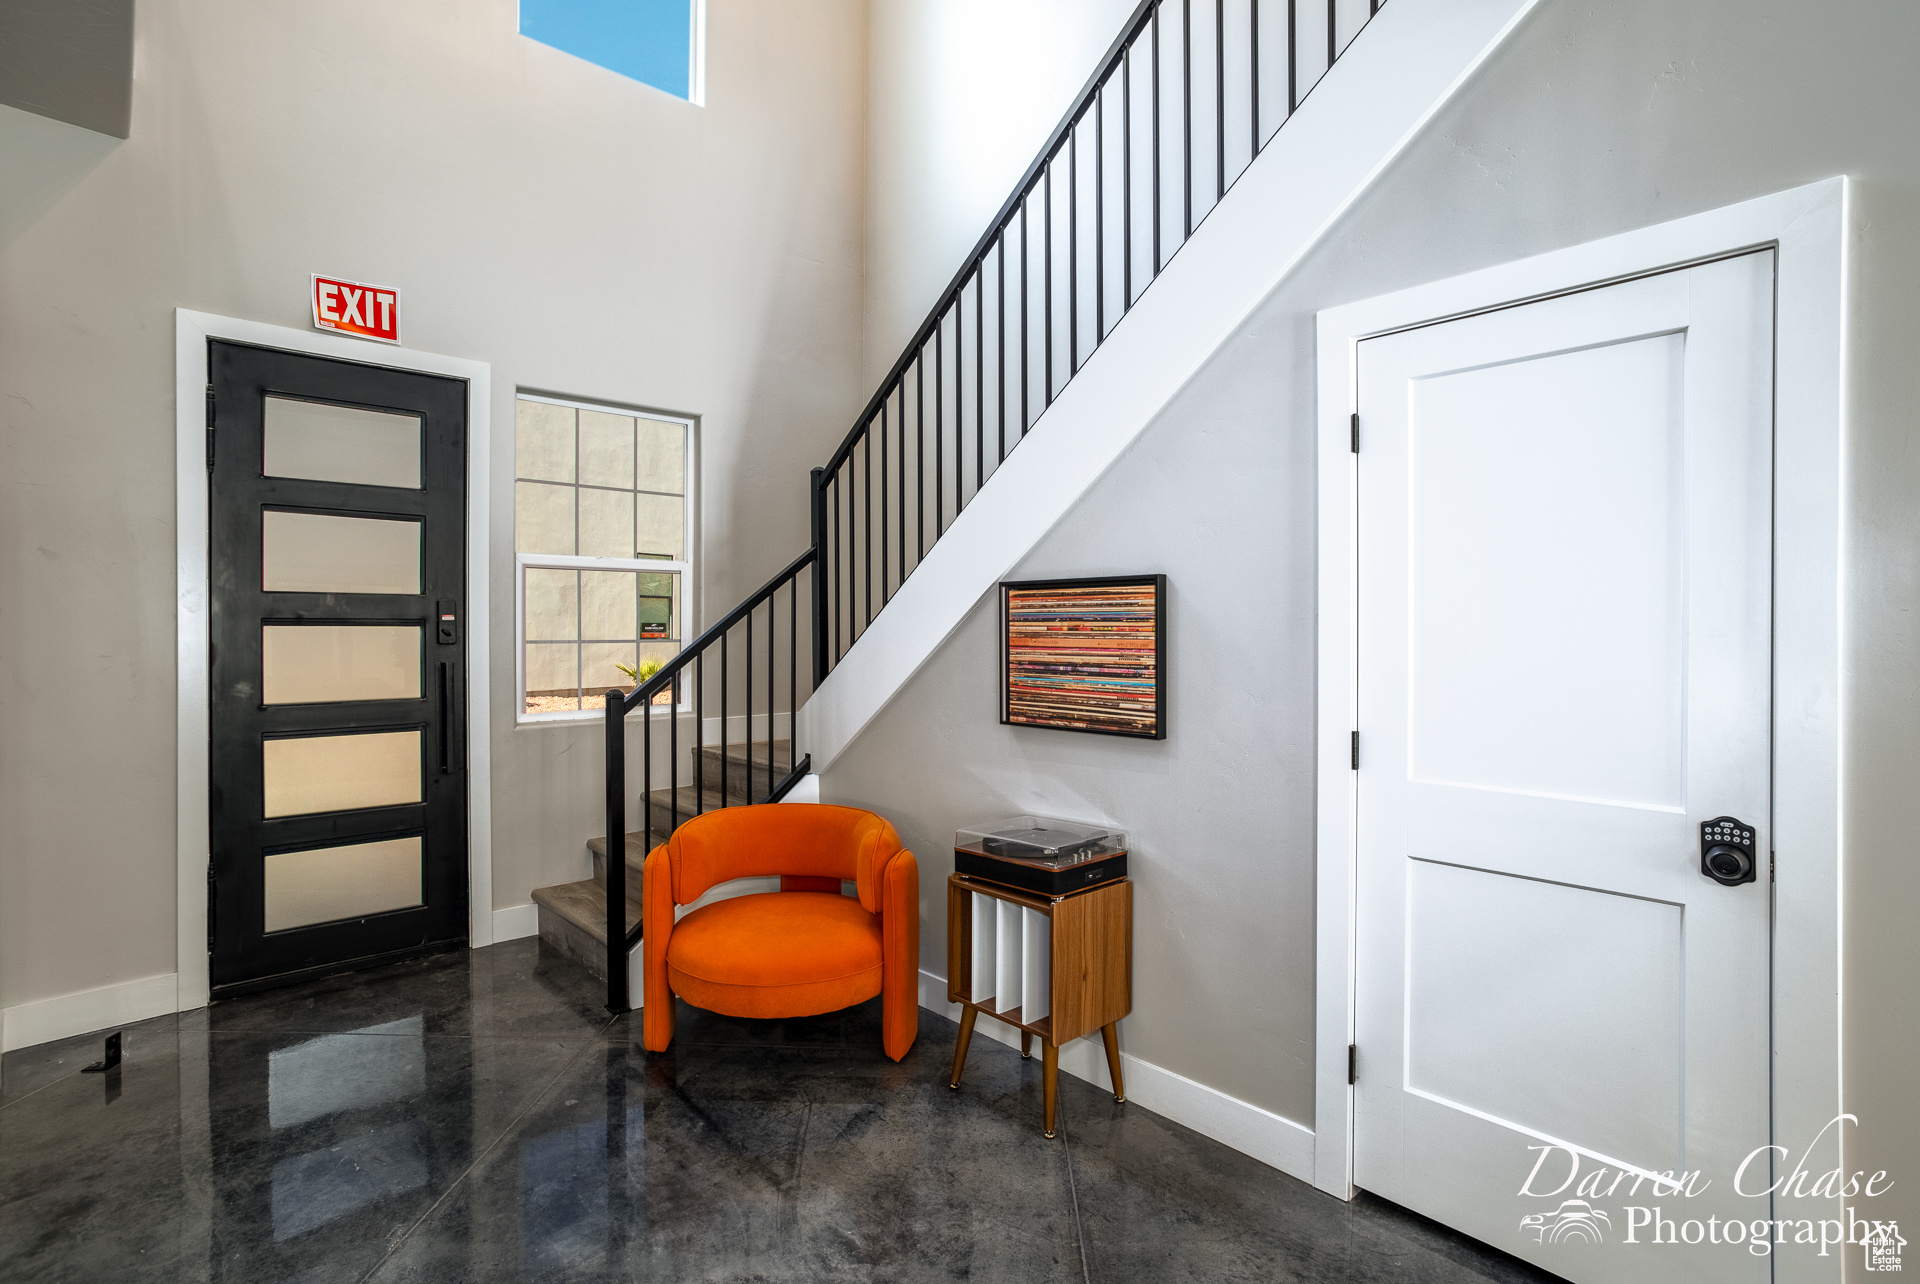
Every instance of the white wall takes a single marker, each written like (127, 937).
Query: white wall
(1595, 118)
(964, 92)
(583, 233)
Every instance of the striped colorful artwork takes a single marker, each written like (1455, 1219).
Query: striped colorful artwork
(1084, 655)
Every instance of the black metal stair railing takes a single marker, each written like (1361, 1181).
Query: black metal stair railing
(747, 668)
(1186, 98)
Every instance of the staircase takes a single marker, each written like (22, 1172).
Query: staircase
(1094, 296)
(573, 916)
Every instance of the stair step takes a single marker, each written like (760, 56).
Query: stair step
(746, 768)
(689, 802)
(573, 920)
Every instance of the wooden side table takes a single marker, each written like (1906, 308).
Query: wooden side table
(1053, 966)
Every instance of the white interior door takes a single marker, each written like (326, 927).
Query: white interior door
(1564, 557)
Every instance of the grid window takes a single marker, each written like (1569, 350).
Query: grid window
(601, 532)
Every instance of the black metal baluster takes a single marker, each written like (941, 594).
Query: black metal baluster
(1293, 59)
(673, 742)
(1025, 342)
(1000, 338)
(616, 805)
(902, 389)
(1332, 39)
(834, 569)
(959, 402)
(1253, 66)
(866, 522)
(979, 378)
(1186, 118)
(884, 596)
(1126, 181)
(1219, 101)
(646, 770)
(1156, 146)
(920, 454)
(1046, 270)
(817, 635)
(1073, 250)
(1099, 217)
(793, 671)
(724, 675)
(939, 428)
(748, 666)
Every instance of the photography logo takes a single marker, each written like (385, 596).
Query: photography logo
(1574, 1222)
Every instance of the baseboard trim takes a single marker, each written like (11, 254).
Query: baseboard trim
(516, 921)
(27, 1024)
(1272, 1139)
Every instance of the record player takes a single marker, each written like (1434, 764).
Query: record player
(1040, 854)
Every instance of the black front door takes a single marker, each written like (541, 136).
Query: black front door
(338, 763)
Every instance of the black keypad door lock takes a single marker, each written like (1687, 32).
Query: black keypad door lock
(1726, 851)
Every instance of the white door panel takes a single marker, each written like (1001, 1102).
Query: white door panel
(1564, 631)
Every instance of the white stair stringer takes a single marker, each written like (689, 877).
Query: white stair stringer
(1410, 59)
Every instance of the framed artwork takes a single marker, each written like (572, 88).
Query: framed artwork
(1085, 655)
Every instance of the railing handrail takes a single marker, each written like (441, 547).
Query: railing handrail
(1142, 14)
(659, 681)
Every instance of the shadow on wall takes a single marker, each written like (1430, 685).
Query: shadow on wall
(43, 160)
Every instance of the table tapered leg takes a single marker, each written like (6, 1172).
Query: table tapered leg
(1050, 1075)
(1110, 1032)
(1026, 1045)
(960, 1048)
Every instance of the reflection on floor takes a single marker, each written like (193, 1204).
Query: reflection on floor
(479, 1117)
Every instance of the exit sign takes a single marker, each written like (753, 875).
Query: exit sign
(355, 308)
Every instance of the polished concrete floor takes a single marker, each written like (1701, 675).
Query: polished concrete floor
(478, 1116)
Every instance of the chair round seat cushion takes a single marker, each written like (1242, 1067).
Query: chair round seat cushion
(776, 954)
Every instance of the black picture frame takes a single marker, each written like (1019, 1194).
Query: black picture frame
(1119, 714)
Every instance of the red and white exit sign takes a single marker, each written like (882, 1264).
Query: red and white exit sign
(355, 308)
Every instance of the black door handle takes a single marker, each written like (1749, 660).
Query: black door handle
(447, 685)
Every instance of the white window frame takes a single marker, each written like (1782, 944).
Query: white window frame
(573, 561)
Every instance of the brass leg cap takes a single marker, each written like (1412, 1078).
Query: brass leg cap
(954, 1086)
(1026, 1056)
(1119, 1101)
(1049, 1136)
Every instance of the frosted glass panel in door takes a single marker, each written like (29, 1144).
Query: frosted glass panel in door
(332, 883)
(318, 553)
(319, 442)
(307, 774)
(1548, 575)
(327, 663)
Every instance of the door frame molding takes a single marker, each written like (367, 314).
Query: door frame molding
(1808, 226)
(192, 844)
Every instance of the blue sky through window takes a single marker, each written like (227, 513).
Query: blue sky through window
(650, 41)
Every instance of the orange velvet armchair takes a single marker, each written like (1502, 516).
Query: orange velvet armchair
(800, 951)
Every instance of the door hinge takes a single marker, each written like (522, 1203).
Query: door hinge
(1356, 751)
(209, 427)
(1353, 1063)
(1356, 430)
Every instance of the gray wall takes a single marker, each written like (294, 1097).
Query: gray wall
(1595, 118)
(585, 234)
(69, 60)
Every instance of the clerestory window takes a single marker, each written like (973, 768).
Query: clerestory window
(656, 42)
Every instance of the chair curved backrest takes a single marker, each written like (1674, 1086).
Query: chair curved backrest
(818, 840)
